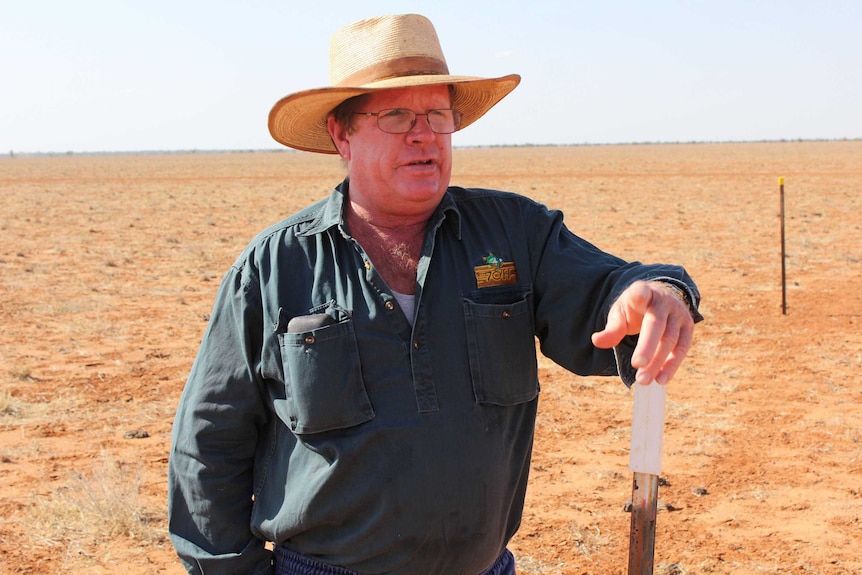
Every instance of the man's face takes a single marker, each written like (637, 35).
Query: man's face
(397, 174)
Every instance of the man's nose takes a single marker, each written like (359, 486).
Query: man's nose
(421, 127)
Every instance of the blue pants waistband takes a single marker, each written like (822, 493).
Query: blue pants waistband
(289, 562)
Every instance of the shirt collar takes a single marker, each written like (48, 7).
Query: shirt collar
(447, 210)
(332, 213)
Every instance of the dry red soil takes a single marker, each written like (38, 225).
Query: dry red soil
(109, 266)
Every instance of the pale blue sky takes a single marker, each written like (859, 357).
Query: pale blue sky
(123, 75)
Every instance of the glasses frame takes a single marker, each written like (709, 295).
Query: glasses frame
(456, 117)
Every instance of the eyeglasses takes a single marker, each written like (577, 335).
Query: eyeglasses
(402, 120)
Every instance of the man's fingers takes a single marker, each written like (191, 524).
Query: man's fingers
(653, 336)
(664, 325)
(677, 355)
(655, 346)
(624, 317)
(614, 332)
(667, 339)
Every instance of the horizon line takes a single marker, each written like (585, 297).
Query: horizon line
(179, 151)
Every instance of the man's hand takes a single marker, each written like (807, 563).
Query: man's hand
(655, 311)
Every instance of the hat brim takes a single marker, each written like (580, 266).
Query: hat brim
(299, 120)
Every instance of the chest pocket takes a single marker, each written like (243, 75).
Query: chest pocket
(501, 346)
(323, 377)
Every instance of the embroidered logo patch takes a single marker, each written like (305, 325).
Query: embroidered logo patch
(495, 272)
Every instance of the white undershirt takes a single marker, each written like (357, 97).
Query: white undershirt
(407, 303)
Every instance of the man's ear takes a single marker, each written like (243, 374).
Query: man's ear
(339, 136)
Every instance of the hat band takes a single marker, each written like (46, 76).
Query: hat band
(411, 66)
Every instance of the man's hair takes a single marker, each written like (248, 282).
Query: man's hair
(344, 112)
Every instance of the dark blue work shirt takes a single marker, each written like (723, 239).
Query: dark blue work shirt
(317, 417)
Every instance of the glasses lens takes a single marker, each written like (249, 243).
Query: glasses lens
(444, 121)
(396, 120)
(402, 120)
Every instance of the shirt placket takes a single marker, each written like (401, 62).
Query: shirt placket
(420, 353)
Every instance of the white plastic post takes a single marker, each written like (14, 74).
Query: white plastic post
(647, 428)
(645, 463)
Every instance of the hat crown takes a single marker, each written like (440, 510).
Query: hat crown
(384, 53)
(385, 47)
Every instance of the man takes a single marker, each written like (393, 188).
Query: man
(365, 394)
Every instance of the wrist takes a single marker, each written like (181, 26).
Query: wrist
(677, 291)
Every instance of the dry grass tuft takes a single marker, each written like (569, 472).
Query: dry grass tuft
(21, 373)
(95, 506)
(8, 404)
(670, 569)
(528, 565)
(588, 540)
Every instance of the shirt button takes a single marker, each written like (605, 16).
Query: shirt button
(389, 305)
(507, 314)
(309, 339)
(415, 345)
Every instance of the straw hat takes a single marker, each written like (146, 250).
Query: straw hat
(378, 54)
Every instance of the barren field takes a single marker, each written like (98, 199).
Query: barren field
(109, 266)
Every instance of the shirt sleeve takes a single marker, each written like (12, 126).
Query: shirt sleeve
(218, 426)
(575, 285)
